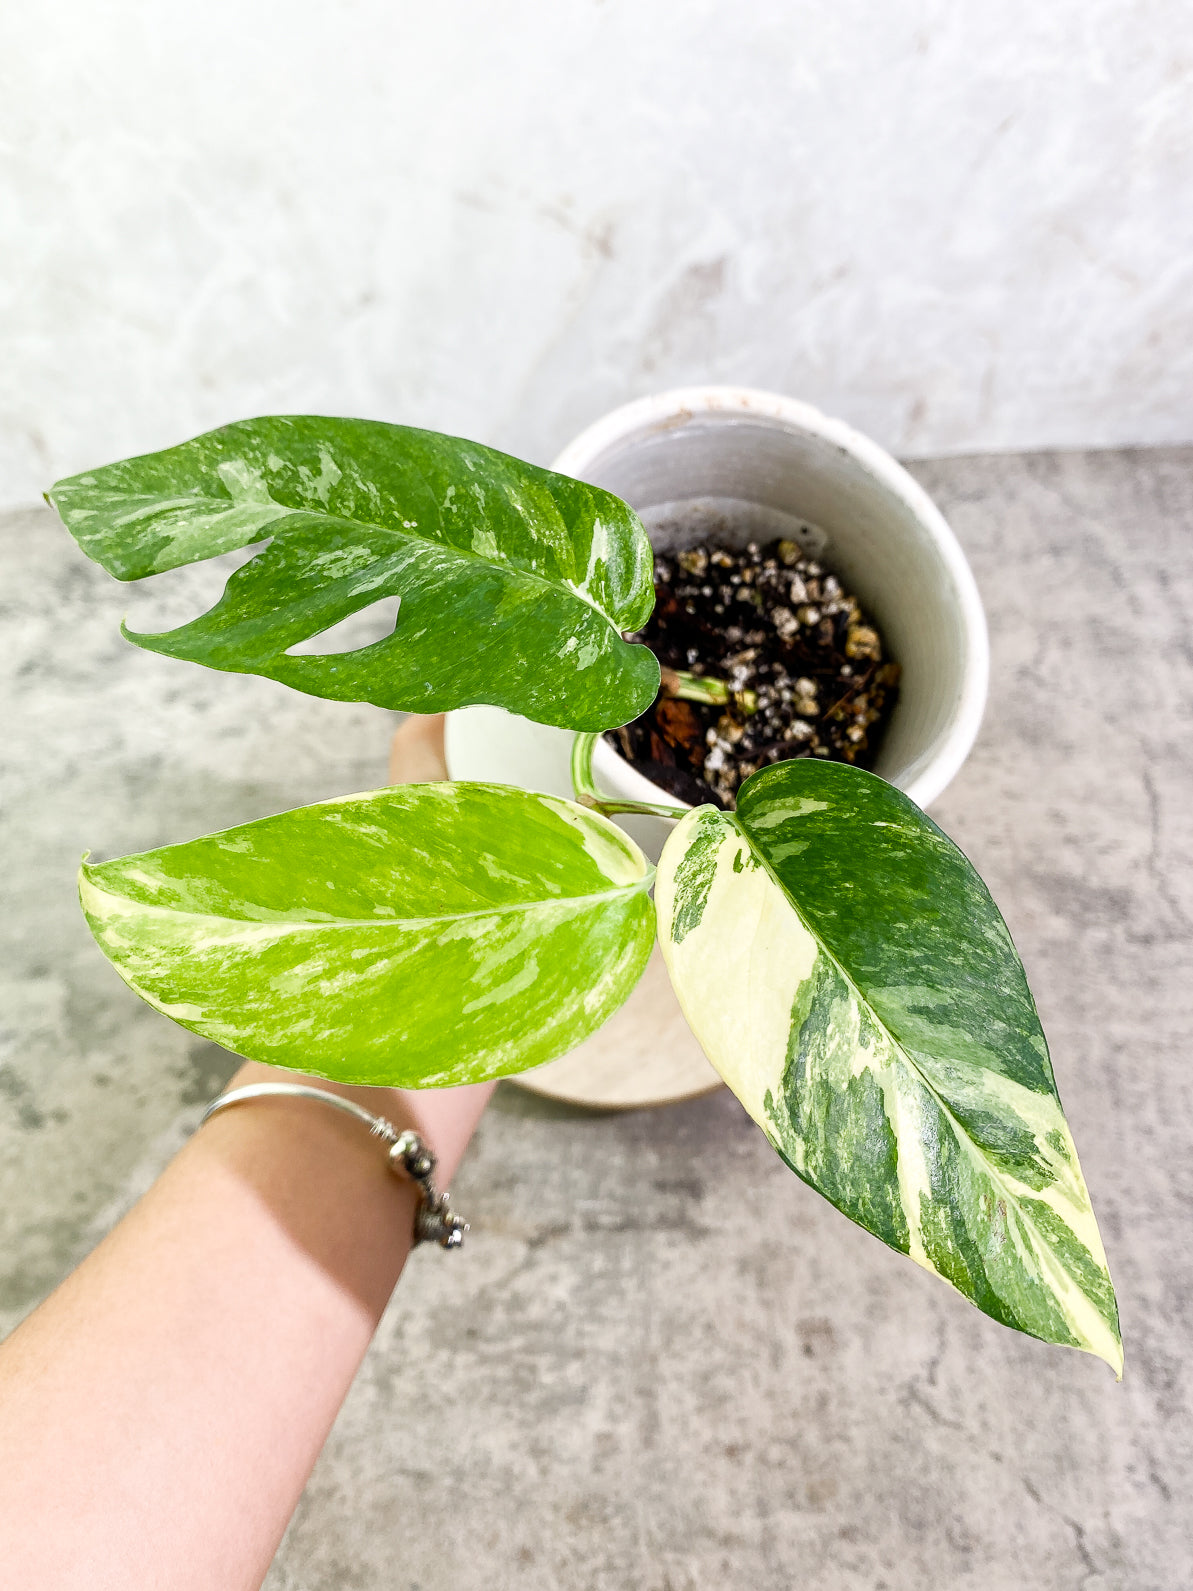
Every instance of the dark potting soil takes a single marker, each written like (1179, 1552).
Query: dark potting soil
(805, 667)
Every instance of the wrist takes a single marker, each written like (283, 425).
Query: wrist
(445, 1118)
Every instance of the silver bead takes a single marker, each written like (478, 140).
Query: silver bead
(436, 1223)
(411, 1155)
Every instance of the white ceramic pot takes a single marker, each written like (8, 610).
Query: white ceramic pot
(771, 466)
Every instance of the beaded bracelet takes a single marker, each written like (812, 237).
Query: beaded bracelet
(434, 1221)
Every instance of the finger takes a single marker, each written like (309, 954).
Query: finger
(416, 755)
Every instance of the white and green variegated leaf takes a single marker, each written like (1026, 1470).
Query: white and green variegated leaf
(425, 935)
(851, 979)
(515, 583)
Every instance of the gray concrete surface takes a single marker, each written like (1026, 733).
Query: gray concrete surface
(663, 1363)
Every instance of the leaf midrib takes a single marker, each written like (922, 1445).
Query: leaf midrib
(505, 566)
(408, 924)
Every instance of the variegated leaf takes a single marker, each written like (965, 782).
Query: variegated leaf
(424, 935)
(851, 979)
(515, 583)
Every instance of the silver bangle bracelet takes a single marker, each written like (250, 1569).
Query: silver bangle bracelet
(434, 1221)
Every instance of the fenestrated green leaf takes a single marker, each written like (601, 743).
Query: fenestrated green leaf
(851, 979)
(423, 935)
(515, 582)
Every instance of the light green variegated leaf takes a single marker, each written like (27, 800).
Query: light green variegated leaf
(851, 979)
(424, 935)
(515, 583)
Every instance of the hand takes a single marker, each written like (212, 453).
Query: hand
(416, 753)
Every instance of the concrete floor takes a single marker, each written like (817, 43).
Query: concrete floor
(661, 1362)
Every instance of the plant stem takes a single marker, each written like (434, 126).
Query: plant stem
(710, 692)
(586, 790)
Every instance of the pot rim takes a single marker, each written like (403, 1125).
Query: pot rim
(670, 410)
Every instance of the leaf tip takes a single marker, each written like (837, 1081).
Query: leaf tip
(141, 638)
(1115, 1360)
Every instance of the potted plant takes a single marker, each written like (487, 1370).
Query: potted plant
(840, 961)
(755, 466)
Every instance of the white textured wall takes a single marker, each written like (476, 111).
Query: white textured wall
(961, 225)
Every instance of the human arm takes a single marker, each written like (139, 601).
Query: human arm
(161, 1411)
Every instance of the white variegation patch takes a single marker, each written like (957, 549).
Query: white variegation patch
(736, 974)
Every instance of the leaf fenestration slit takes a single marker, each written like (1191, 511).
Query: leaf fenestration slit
(186, 594)
(377, 621)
